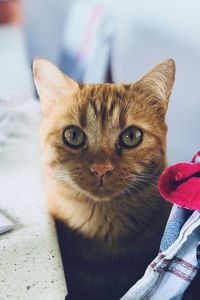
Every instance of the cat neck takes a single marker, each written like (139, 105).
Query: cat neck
(112, 219)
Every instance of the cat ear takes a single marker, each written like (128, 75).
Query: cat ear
(159, 81)
(51, 83)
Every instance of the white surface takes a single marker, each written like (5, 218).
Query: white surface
(30, 262)
(44, 21)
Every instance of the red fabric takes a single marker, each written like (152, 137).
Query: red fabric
(180, 184)
(10, 12)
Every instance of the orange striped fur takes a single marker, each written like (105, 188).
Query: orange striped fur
(129, 201)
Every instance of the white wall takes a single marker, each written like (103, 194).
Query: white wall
(43, 26)
(147, 32)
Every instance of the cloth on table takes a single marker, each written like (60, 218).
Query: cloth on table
(15, 113)
(5, 224)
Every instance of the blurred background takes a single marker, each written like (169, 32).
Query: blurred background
(115, 41)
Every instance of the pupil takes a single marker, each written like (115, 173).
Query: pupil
(74, 135)
(131, 135)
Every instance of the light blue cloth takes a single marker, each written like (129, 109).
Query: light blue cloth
(177, 263)
(87, 42)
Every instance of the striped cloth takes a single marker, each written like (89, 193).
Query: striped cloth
(177, 263)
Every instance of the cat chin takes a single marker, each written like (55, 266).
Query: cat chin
(97, 196)
(101, 199)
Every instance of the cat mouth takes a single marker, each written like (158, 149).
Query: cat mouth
(100, 192)
(101, 189)
(96, 191)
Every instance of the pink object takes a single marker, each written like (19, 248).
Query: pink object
(180, 184)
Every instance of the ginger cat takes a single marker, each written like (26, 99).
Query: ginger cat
(103, 149)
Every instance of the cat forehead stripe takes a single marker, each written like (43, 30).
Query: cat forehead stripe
(104, 103)
(101, 113)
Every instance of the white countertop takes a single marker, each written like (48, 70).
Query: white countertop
(30, 261)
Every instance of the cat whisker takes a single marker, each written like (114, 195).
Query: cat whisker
(140, 183)
(144, 182)
(143, 178)
(144, 175)
(131, 192)
(62, 176)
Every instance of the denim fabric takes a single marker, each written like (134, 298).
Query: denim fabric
(177, 219)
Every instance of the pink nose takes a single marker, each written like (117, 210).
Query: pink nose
(101, 169)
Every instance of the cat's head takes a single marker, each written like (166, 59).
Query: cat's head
(104, 139)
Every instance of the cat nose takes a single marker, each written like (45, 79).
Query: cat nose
(101, 169)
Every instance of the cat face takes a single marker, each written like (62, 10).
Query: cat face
(104, 139)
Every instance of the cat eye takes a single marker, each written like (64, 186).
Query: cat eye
(130, 137)
(74, 137)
